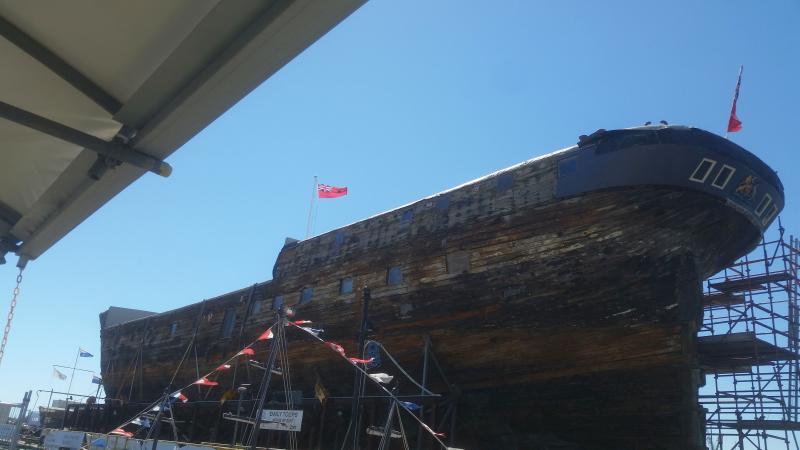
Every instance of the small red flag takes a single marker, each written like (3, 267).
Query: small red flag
(179, 395)
(734, 124)
(121, 432)
(361, 361)
(300, 322)
(223, 367)
(205, 382)
(246, 351)
(336, 347)
(265, 335)
(325, 191)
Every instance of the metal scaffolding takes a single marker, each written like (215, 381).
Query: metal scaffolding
(748, 349)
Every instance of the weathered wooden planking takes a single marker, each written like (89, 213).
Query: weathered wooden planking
(572, 304)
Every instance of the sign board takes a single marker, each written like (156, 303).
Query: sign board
(281, 419)
(147, 444)
(66, 439)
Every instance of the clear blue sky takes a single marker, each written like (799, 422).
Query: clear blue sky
(403, 99)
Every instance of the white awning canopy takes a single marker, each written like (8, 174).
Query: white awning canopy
(95, 94)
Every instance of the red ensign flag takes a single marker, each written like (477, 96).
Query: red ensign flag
(325, 191)
(734, 124)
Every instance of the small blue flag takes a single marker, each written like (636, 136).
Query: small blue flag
(141, 421)
(410, 406)
(83, 353)
(96, 379)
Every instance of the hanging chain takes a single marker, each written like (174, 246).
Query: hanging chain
(10, 315)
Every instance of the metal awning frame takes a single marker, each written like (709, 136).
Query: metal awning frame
(58, 66)
(150, 113)
(112, 153)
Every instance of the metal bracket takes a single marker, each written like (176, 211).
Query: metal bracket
(114, 149)
(6, 246)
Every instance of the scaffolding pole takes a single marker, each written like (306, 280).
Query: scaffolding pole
(748, 348)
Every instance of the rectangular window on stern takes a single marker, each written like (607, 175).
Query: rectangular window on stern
(702, 170)
(277, 302)
(346, 285)
(173, 329)
(505, 181)
(255, 308)
(394, 275)
(772, 212)
(763, 205)
(457, 262)
(724, 175)
(305, 295)
(228, 322)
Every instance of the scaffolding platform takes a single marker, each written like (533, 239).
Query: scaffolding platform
(770, 425)
(748, 345)
(751, 283)
(722, 299)
(738, 351)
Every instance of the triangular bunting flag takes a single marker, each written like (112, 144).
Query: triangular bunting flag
(336, 347)
(319, 391)
(314, 331)
(205, 382)
(141, 421)
(246, 351)
(266, 335)
(121, 432)
(410, 406)
(230, 394)
(381, 377)
(361, 361)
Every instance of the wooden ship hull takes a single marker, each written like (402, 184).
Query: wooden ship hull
(561, 296)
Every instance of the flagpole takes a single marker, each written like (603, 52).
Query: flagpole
(311, 208)
(69, 389)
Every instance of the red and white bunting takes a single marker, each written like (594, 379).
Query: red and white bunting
(266, 335)
(300, 322)
(336, 347)
(179, 395)
(121, 432)
(361, 361)
(205, 382)
(246, 351)
(223, 367)
(312, 331)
